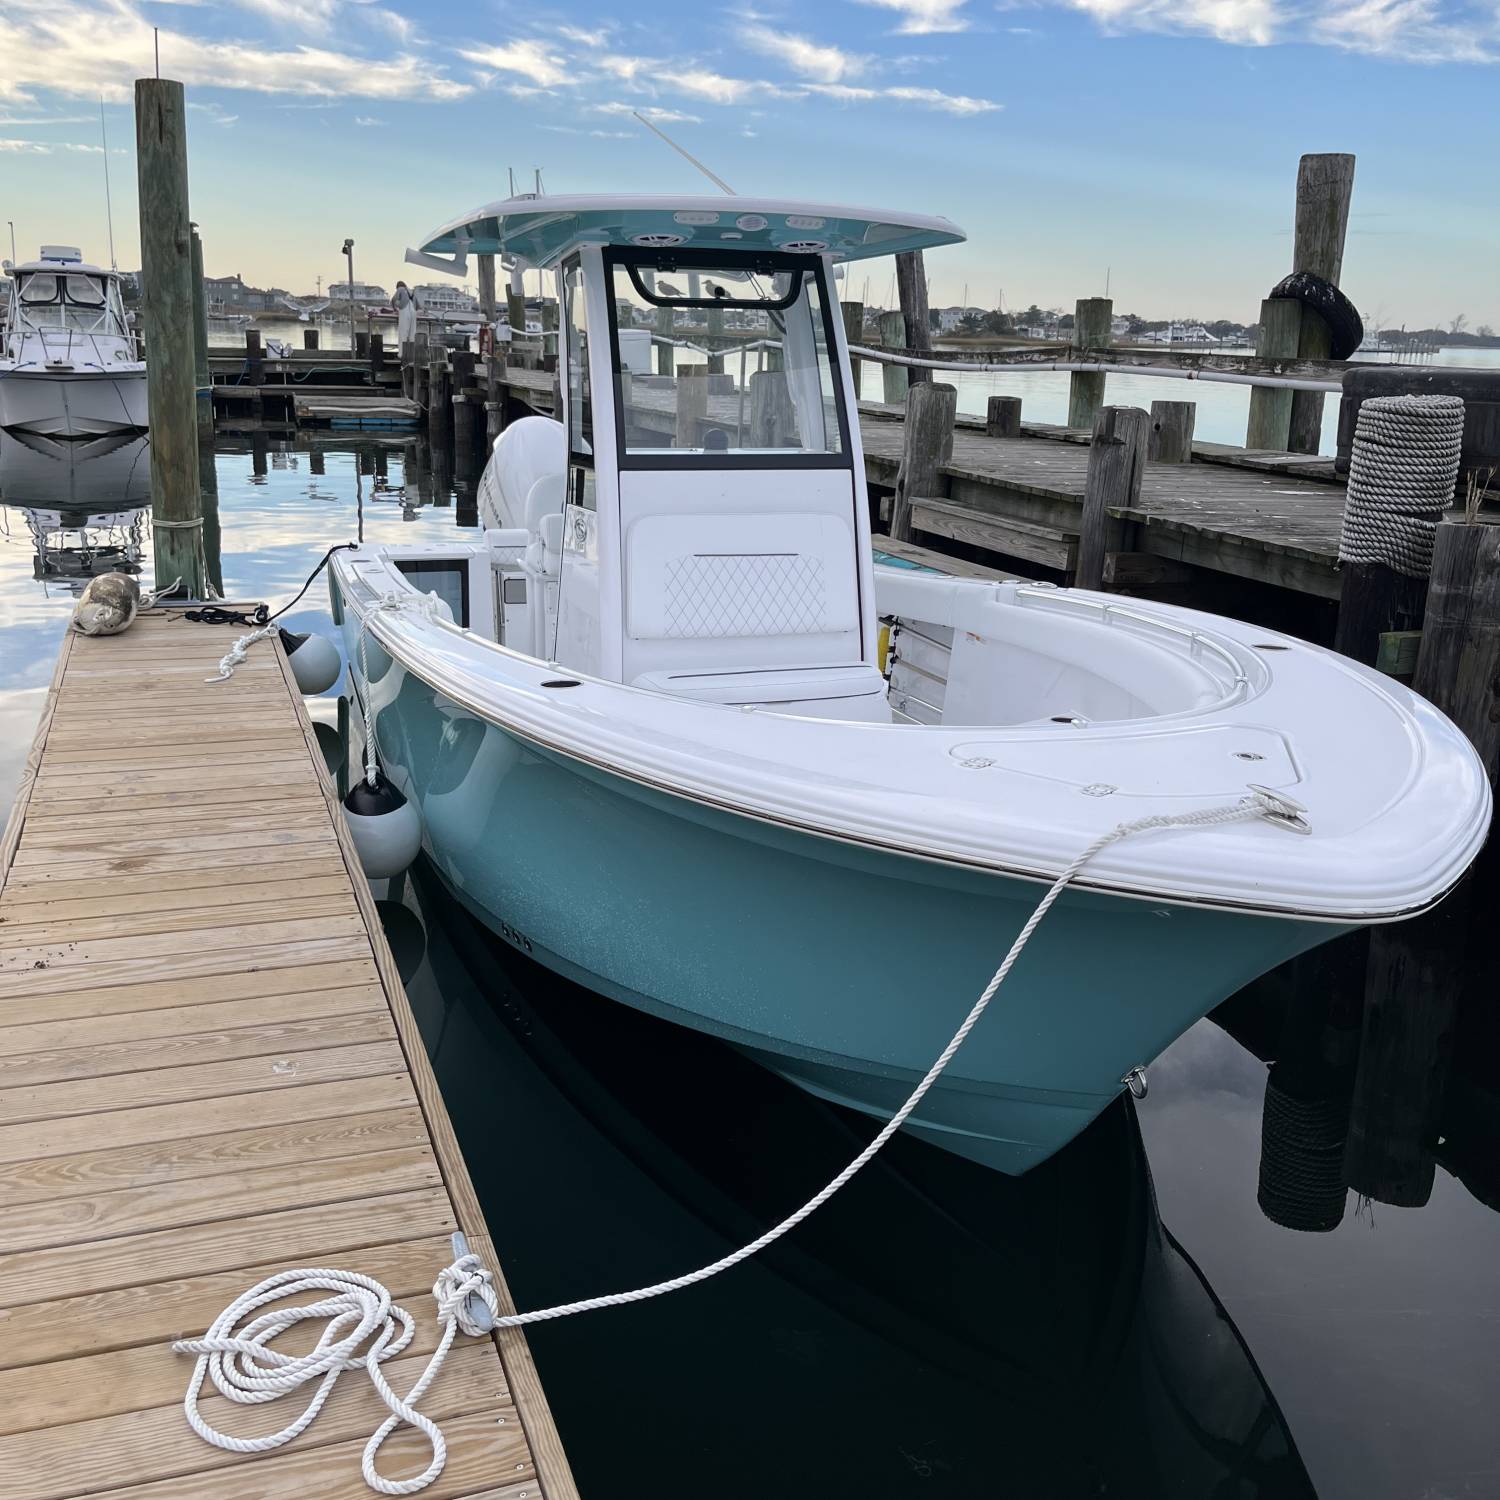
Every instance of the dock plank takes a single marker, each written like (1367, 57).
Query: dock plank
(209, 1072)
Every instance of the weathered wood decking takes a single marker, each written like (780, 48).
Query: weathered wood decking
(209, 1072)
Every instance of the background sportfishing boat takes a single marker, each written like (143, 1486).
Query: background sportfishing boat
(68, 366)
(673, 733)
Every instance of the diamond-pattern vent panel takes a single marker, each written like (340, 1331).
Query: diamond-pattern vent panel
(745, 594)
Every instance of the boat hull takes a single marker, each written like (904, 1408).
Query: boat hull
(843, 967)
(76, 404)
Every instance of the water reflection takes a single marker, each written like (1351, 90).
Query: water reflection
(936, 1329)
(84, 505)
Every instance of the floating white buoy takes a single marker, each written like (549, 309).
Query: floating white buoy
(316, 663)
(386, 827)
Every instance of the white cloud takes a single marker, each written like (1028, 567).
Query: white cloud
(367, 121)
(46, 148)
(528, 58)
(584, 37)
(953, 104)
(704, 83)
(1407, 30)
(925, 17)
(651, 112)
(296, 15)
(802, 55)
(216, 115)
(1247, 22)
(93, 47)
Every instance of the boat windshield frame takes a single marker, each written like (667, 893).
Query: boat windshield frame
(813, 273)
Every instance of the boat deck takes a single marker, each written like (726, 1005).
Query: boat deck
(209, 1072)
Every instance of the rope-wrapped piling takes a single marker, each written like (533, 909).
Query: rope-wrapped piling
(1401, 478)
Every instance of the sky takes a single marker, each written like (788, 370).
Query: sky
(1150, 145)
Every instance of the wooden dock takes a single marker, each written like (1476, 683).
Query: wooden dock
(209, 1072)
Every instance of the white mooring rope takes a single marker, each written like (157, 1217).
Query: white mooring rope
(1260, 804)
(1402, 470)
(246, 1370)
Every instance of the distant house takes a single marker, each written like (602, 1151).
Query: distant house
(443, 298)
(949, 318)
(366, 294)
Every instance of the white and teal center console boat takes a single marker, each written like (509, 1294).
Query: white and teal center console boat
(674, 734)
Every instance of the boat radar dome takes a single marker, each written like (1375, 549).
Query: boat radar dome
(386, 828)
(316, 663)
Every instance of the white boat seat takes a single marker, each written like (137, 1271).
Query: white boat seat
(850, 692)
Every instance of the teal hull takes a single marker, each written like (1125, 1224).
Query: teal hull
(843, 968)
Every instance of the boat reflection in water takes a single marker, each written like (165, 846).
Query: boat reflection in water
(936, 1328)
(85, 503)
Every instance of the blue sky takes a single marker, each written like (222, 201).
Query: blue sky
(1155, 141)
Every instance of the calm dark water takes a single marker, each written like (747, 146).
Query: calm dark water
(1192, 1301)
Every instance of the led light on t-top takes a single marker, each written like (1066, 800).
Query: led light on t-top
(67, 360)
(673, 733)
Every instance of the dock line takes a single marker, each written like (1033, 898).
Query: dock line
(1282, 812)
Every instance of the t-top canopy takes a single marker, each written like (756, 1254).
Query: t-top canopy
(537, 230)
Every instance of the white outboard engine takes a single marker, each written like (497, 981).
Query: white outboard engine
(526, 452)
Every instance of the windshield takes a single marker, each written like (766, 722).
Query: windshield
(78, 303)
(724, 358)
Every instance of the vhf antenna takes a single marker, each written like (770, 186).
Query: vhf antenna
(109, 212)
(717, 181)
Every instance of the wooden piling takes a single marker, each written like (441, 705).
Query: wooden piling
(692, 407)
(666, 354)
(1002, 417)
(465, 413)
(255, 358)
(715, 337)
(854, 333)
(1171, 437)
(911, 285)
(1325, 186)
(167, 316)
(1415, 967)
(1091, 320)
(439, 404)
(309, 338)
(927, 444)
(893, 378)
(773, 419)
(202, 379)
(377, 356)
(1117, 458)
(1270, 423)
(361, 344)
(487, 303)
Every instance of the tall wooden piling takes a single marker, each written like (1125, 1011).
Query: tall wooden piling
(893, 378)
(202, 379)
(692, 406)
(854, 333)
(487, 304)
(1270, 423)
(715, 341)
(1325, 185)
(1416, 967)
(1117, 457)
(911, 286)
(167, 316)
(1091, 319)
(666, 354)
(927, 444)
(309, 338)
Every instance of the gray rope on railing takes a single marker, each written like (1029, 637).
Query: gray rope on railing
(1401, 476)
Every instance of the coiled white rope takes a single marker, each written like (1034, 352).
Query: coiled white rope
(1260, 804)
(245, 1369)
(1402, 471)
(240, 650)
